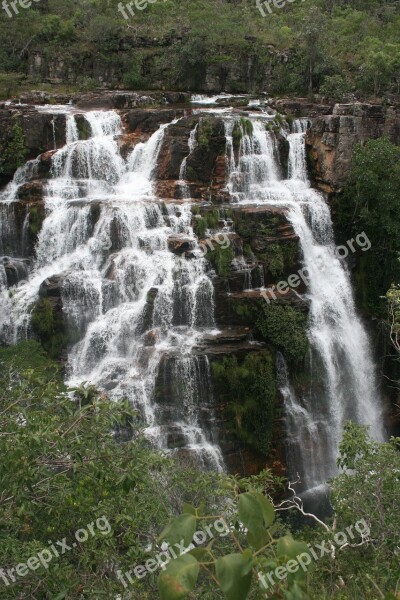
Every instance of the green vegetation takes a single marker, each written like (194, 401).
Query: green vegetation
(209, 220)
(77, 459)
(360, 540)
(393, 303)
(49, 327)
(205, 131)
(369, 489)
(13, 153)
(286, 328)
(305, 47)
(249, 391)
(68, 465)
(221, 259)
(370, 204)
(241, 128)
(36, 218)
(274, 259)
(263, 547)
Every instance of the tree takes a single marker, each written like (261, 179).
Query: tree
(381, 64)
(393, 300)
(256, 546)
(369, 489)
(14, 153)
(369, 203)
(76, 461)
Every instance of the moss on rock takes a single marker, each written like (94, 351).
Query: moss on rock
(49, 327)
(247, 387)
(286, 328)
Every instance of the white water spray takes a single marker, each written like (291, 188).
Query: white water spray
(132, 302)
(345, 386)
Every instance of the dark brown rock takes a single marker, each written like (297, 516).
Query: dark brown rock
(179, 245)
(149, 120)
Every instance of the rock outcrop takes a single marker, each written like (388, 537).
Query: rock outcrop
(332, 138)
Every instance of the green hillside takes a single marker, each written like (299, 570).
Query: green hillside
(334, 47)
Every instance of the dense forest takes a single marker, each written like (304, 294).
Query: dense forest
(335, 48)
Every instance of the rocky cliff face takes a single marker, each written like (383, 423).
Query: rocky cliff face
(246, 247)
(332, 138)
(242, 73)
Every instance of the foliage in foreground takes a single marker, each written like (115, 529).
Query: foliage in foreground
(365, 565)
(69, 459)
(72, 459)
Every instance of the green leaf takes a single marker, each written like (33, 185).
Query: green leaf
(290, 548)
(259, 538)
(179, 578)
(199, 553)
(267, 508)
(181, 528)
(60, 596)
(188, 509)
(255, 510)
(234, 575)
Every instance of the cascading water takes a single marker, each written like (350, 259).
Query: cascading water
(297, 151)
(192, 143)
(129, 299)
(340, 351)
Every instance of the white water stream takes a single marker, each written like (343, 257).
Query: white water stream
(132, 302)
(343, 379)
(139, 309)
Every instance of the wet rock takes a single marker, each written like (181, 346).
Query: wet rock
(41, 132)
(179, 245)
(51, 287)
(31, 192)
(127, 142)
(40, 98)
(301, 107)
(151, 338)
(148, 121)
(147, 321)
(83, 126)
(16, 269)
(113, 99)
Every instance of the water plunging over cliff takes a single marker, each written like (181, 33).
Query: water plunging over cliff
(130, 301)
(343, 384)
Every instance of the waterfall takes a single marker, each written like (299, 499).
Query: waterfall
(183, 186)
(129, 300)
(297, 151)
(343, 384)
(191, 395)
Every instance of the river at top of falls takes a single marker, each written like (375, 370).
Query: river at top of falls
(345, 386)
(130, 300)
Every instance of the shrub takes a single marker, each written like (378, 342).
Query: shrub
(14, 154)
(285, 327)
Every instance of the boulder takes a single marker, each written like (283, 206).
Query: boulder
(179, 245)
